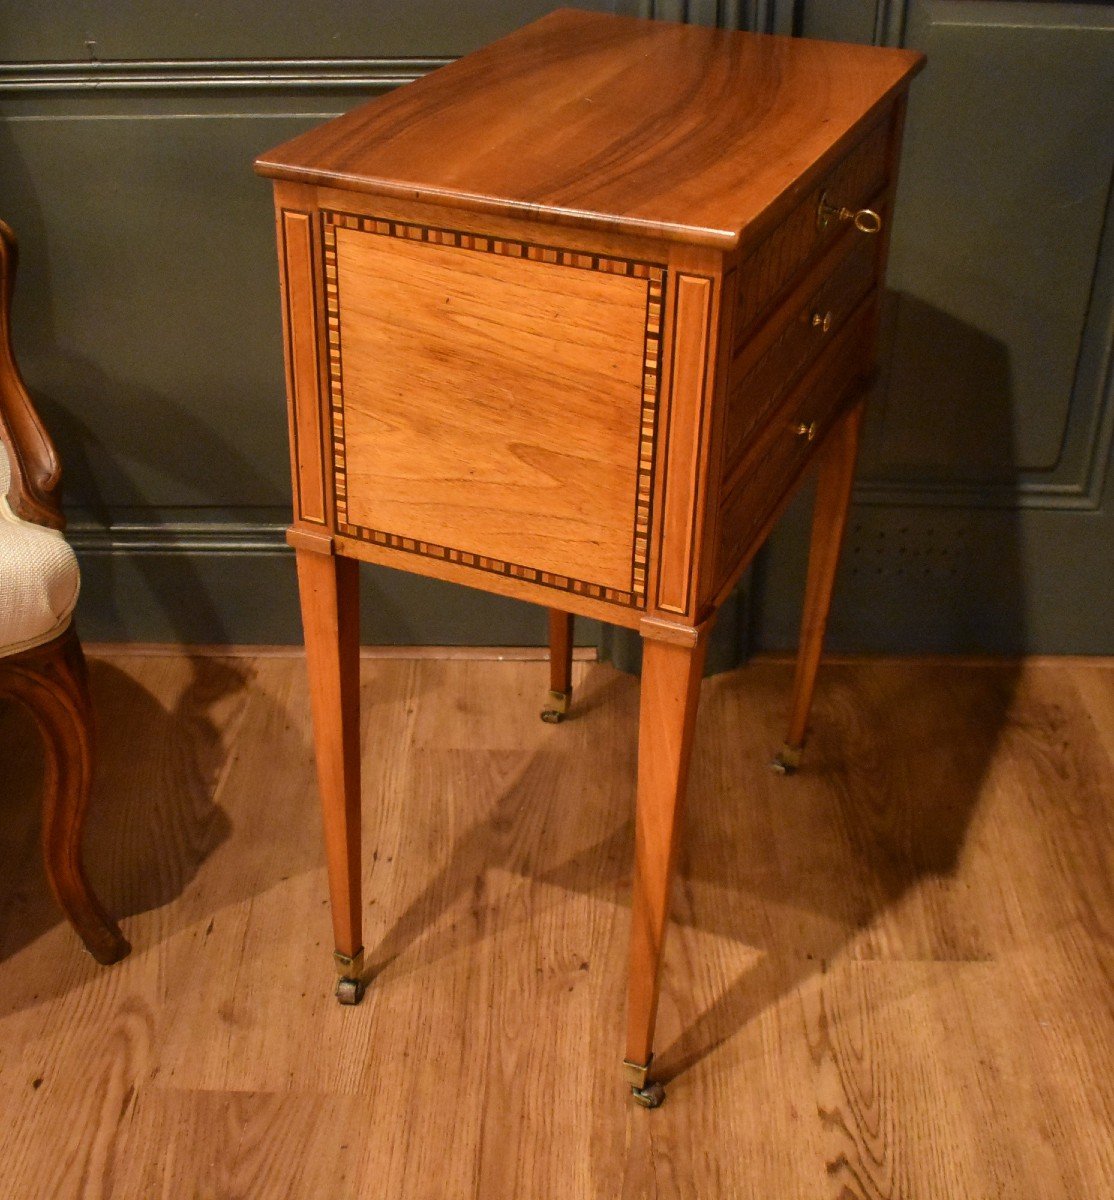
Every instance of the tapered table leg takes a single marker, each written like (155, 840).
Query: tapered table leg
(670, 694)
(836, 474)
(560, 666)
(328, 587)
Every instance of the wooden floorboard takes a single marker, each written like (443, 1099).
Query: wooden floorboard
(891, 976)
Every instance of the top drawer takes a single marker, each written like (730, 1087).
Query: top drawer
(852, 183)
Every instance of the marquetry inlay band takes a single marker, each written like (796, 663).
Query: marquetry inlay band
(652, 273)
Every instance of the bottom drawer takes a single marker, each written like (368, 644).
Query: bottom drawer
(782, 451)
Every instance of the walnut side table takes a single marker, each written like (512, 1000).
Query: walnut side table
(568, 320)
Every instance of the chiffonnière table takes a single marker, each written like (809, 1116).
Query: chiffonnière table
(568, 320)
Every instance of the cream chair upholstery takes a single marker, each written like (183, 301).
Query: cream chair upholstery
(39, 579)
(41, 663)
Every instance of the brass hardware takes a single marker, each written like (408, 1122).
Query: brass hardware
(556, 705)
(646, 1092)
(349, 968)
(636, 1073)
(651, 1096)
(822, 320)
(806, 431)
(787, 759)
(349, 991)
(865, 220)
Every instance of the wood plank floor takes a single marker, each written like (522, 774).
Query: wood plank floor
(890, 976)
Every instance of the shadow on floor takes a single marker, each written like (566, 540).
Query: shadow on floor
(152, 818)
(797, 868)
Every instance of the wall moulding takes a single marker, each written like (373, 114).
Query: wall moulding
(180, 537)
(255, 75)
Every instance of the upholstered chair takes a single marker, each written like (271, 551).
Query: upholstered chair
(41, 663)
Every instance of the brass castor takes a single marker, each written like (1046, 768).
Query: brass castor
(349, 990)
(644, 1091)
(787, 759)
(350, 984)
(649, 1096)
(556, 705)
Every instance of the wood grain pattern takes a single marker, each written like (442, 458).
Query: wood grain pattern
(889, 976)
(711, 128)
(328, 588)
(670, 695)
(494, 402)
(560, 651)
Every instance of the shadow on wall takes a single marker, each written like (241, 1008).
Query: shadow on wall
(932, 561)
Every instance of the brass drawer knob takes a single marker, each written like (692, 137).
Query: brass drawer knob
(806, 431)
(865, 220)
(823, 321)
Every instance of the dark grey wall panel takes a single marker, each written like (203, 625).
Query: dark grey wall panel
(839, 20)
(950, 580)
(146, 312)
(154, 29)
(1006, 178)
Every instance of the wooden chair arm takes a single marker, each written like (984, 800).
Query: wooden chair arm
(33, 493)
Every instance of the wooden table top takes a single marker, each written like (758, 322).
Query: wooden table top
(608, 122)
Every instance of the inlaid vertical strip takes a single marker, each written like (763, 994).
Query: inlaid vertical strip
(301, 379)
(682, 461)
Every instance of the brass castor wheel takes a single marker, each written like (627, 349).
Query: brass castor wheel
(643, 1090)
(556, 705)
(349, 991)
(649, 1096)
(350, 970)
(786, 760)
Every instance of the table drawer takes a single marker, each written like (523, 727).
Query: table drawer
(766, 370)
(782, 450)
(853, 183)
